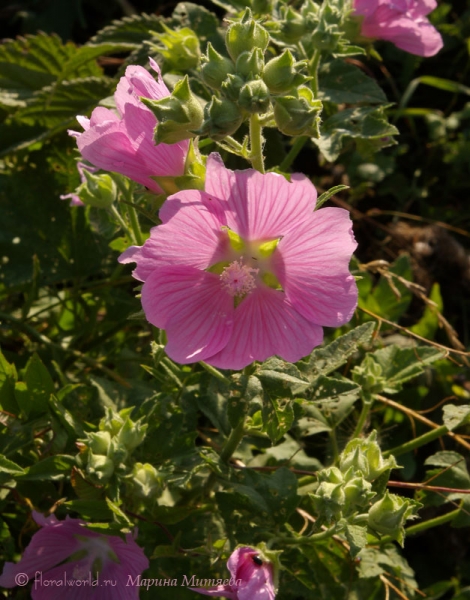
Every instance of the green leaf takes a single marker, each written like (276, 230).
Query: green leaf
(456, 416)
(280, 377)
(278, 416)
(328, 358)
(342, 82)
(357, 538)
(131, 31)
(452, 472)
(361, 123)
(57, 106)
(31, 63)
(327, 195)
(402, 364)
(73, 427)
(8, 379)
(83, 488)
(39, 383)
(53, 468)
(90, 510)
(429, 323)
(8, 466)
(197, 18)
(247, 390)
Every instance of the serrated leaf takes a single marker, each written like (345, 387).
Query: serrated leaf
(278, 416)
(204, 22)
(456, 416)
(452, 472)
(357, 538)
(280, 377)
(342, 82)
(402, 364)
(131, 31)
(327, 359)
(31, 63)
(57, 106)
(361, 123)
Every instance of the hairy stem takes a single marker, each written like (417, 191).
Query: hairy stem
(256, 139)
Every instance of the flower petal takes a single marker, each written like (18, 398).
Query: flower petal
(266, 323)
(312, 265)
(261, 206)
(192, 307)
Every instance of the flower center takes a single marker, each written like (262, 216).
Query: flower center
(238, 278)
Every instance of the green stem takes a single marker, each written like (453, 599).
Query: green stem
(293, 152)
(256, 140)
(417, 442)
(121, 221)
(233, 441)
(313, 70)
(419, 527)
(366, 406)
(135, 225)
(316, 537)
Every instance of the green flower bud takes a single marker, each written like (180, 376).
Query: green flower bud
(281, 73)
(231, 87)
(99, 442)
(262, 7)
(146, 480)
(369, 376)
(249, 64)
(131, 434)
(293, 27)
(245, 35)
(254, 96)
(364, 456)
(179, 48)
(100, 467)
(215, 67)
(98, 190)
(222, 118)
(298, 114)
(327, 33)
(178, 115)
(331, 475)
(358, 493)
(329, 501)
(388, 515)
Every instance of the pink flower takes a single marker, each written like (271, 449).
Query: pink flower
(65, 559)
(245, 269)
(252, 577)
(125, 144)
(402, 22)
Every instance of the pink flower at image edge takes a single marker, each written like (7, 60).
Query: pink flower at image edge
(246, 269)
(252, 576)
(402, 22)
(125, 144)
(56, 542)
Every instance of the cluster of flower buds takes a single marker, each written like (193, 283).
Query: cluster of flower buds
(356, 489)
(369, 376)
(107, 451)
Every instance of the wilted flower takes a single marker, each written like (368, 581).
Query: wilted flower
(402, 22)
(246, 269)
(252, 577)
(125, 143)
(68, 551)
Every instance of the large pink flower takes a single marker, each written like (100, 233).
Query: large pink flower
(252, 577)
(65, 559)
(245, 269)
(402, 22)
(125, 144)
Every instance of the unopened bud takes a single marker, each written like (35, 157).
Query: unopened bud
(215, 67)
(180, 48)
(245, 35)
(388, 515)
(293, 27)
(178, 115)
(299, 114)
(97, 190)
(281, 73)
(231, 87)
(365, 456)
(146, 480)
(254, 96)
(222, 118)
(250, 64)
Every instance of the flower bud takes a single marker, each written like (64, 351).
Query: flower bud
(388, 515)
(358, 493)
(231, 87)
(178, 115)
(254, 96)
(298, 114)
(99, 442)
(329, 500)
(251, 63)
(215, 67)
(221, 118)
(281, 73)
(262, 7)
(100, 467)
(180, 48)
(365, 457)
(245, 35)
(146, 480)
(293, 27)
(97, 190)
(369, 376)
